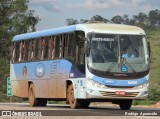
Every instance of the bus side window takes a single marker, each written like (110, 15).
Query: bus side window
(23, 50)
(26, 51)
(41, 43)
(31, 50)
(61, 53)
(36, 45)
(57, 48)
(20, 52)
(17, 48)
(51, 52)
(65, 45)
(13, 52)
(80, 55)
(46, 47)
(71, 45)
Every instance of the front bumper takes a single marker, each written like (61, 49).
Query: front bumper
(109, 93)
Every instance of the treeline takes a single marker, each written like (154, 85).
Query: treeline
(143, 20)
(15, 18)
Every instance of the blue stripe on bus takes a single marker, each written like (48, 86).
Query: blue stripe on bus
(44, 33)
(111, 82)
(52, 69)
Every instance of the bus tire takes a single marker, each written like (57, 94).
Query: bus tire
(74, 103)
(32, 100)
(125, 104)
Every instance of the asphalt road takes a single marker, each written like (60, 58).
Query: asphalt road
(111, 111)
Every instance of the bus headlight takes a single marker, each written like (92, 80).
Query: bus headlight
(94, 83)
(142, 85)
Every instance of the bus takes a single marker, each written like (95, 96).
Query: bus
(80, 64)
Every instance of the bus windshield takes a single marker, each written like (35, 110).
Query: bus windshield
(118, 53)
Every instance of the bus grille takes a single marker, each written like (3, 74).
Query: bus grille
(120, 87)
(112, 94)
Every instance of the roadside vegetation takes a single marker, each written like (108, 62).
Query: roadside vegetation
(153, 36)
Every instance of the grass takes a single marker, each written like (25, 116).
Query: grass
(153, 37)
(5, 98)
(56, 102)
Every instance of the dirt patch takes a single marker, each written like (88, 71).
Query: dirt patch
(157, 105)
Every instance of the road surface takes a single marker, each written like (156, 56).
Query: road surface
(64, 111)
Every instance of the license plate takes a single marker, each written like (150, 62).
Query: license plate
(120, 93)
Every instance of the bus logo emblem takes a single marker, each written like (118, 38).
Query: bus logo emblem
(40, 70)
(124, 68)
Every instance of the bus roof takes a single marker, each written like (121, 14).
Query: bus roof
(88, 27)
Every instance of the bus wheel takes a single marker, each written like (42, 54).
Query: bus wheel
(32, 100)
(125, 104)
(74, 103)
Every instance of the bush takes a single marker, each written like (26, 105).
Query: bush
(153, 97)
(154, 93)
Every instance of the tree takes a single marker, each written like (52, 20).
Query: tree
(71, 21)
(125, 19)
(154, 16)
(99, 18)
(141, 17)
(82, 21)
(132, 21)
(142, 20)
(15, 18)
(117, 19)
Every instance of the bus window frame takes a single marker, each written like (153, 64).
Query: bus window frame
(42, 48)
(69, 43)
(46, 48)
(23, 50)
(29, 54)
(20, 51)
(57, 47)
(13, 56)
(31, 50)
(26, 51)
(17, 51)
(51, 50)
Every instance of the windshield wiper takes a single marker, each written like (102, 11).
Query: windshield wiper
(109, 68)
(129, 64)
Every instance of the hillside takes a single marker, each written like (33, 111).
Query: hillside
(153, 37)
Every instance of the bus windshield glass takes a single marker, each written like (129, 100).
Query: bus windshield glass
(118, 53)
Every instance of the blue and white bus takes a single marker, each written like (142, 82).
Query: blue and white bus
(82, 63)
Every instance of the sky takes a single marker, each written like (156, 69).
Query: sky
(53, 13)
